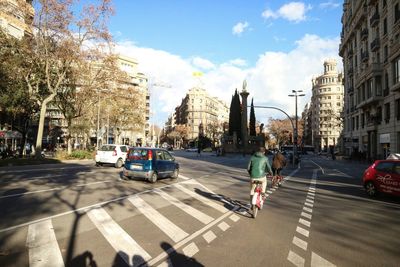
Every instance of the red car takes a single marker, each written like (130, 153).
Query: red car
(382, 176)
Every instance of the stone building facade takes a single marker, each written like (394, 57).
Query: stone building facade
(16, 17)
(326, 107)
(370, 48)
(198, 107)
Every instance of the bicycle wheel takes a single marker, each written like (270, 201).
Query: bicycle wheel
(255, 211)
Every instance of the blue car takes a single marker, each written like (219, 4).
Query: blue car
(150, 164)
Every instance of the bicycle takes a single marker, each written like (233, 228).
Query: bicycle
(277, 179)
(257, 201)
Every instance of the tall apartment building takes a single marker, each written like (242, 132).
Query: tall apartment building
(140, 82)
(16, 17)
(327, 106)
(370, 48)
(198, 107)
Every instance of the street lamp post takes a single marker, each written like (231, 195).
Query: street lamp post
(296, 93)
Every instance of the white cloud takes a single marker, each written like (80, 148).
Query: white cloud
(329, 4)
(293, 11)
(270, 80)
(203, 63)
(239, 28)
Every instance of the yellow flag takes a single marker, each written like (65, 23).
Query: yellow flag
(197, 73)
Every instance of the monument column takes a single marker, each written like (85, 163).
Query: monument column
(245, 137)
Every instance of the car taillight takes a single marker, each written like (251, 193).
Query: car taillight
(114, 152)
(150, 155)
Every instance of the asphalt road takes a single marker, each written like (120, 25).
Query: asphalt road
(76, 214)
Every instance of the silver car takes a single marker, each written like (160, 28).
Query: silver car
(111, 154)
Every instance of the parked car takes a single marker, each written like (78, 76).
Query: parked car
(111, 154)
(150, 164)
(382, 176)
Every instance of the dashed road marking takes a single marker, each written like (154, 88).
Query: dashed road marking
(223, 226)
(209, 236)
(234, 217)
(307, 209)
(306, 215)
(190, 250)
(295, 259)
(302, 231)
(304, 222)
(300, 243)
(309, 204)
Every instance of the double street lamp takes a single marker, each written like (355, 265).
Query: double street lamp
(295, 94)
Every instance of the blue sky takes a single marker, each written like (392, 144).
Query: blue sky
(276, 46)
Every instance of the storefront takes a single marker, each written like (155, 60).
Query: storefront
(10, 139)
(384, 140)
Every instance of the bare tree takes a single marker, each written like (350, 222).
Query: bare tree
(63, 40)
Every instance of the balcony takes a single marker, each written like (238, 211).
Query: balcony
(375, 44)
(364, 34)
(364, 56)
(374, 20)
(350, 52)
(375, 69)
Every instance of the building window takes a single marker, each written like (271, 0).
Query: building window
(397, 107)
(369, 87)
(379, 115)
(396, 12)
(387, 112)
(362, 120)
(352, 123)
(357, 122)
(396, 70)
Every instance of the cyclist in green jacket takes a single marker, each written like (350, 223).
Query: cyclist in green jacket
(258, 167)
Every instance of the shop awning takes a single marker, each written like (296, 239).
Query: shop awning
(10, 135)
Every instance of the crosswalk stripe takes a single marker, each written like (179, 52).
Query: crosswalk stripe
(190, 250)
(202, 199)
(204, 218)
(117, 237)
(209, 236)
(168, 227)
(43, 246)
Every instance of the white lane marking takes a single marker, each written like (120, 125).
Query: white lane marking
(166, 263)
(234, 217)
(306, 215)
(273, 189)
(309, 204)
(191, 237)
(311, 193)
(202, 199)
(310, 201)
(269, 191)
(53, 189)
(202, 217)
(311, 189)
(165, 225)
(322, 169)
(304, 222)
(302, 231)
(344, 174)
(311, 197)
(223, 226)
(190, 250)
(43, 246)
(209, 236)
(120, 240)
(318, 261)
(307, 209)
(38, 169)
(295, 259)
(184, 177)
(300, 243)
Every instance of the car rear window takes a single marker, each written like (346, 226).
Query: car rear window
(107, 148)
(123, 149)
(136, 154)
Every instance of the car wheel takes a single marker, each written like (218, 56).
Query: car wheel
(370, 188)
(153, 178)
(175, 174)
(119, 163)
